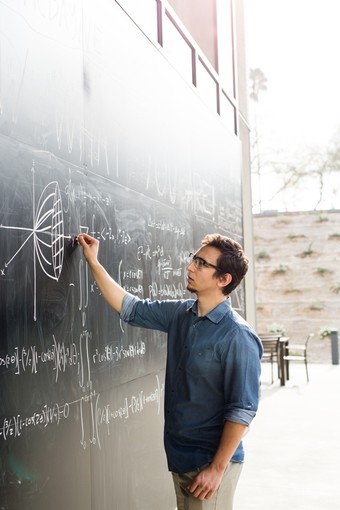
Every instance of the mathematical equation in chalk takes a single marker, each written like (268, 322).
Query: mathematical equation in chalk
(103, 414)
(63, 356)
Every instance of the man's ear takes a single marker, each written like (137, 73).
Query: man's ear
(225, 279)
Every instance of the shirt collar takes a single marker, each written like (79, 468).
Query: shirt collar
(217, 313)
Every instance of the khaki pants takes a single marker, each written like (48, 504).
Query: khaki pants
(221, 500)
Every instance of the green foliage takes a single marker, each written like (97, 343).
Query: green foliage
(315, 307)
(324, 332)
(262, 255)
(322, 271)
(277, 328)
(282, 269)
(334, 237)
(292, 237)
(293, 291)
(308, 252)
(322, 218)
(260, 308)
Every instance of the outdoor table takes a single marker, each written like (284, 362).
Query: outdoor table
(282, 350)
(282, 364)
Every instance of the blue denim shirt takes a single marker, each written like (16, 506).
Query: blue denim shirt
(212, 375)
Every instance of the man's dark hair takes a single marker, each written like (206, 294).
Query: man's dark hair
(232, 259)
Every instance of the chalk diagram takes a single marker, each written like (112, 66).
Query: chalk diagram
(47, 234)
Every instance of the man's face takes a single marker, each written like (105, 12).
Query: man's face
(202, 278)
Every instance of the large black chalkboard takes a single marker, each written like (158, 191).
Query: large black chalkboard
(98, 133)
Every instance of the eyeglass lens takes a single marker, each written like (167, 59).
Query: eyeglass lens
(200, 262)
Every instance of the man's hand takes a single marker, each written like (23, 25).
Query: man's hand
(209, 479)
(206, 483)
(90, 247)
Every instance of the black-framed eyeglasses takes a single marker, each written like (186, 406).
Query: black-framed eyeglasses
(200, 263)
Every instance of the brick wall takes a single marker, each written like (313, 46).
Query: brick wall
(297, 266)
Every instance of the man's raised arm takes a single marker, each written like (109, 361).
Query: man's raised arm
(110, 289)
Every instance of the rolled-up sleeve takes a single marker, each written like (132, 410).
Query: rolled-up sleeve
(128, 305)
(242, 375)
(240, 416)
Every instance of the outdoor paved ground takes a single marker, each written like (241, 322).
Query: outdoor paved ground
(293, 446)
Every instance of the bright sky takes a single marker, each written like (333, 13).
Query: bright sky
(296, 44)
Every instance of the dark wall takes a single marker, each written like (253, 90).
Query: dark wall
(98, 134)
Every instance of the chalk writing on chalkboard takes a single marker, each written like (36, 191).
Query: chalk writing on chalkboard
(103, 413)
(47, 235)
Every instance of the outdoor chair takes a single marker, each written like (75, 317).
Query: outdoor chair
(298, 352)
(271, 351)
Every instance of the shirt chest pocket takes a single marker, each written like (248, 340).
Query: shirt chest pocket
(203, 361)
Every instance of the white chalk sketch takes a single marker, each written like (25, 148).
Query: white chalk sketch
(47, 234)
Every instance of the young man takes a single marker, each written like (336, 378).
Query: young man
(212, 371)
